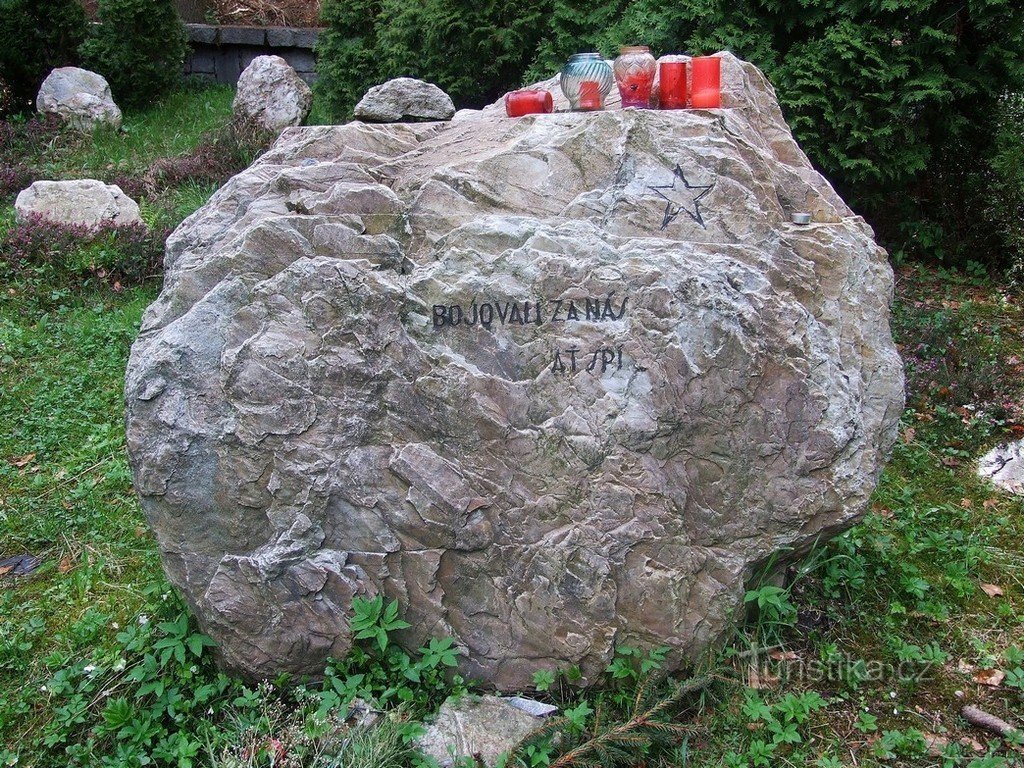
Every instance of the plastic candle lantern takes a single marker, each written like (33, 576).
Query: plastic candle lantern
(672, 83)
(707, 82)
(634, 74)
(589, 68)
(528, 102)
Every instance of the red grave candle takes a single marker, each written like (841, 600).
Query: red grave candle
(672, 84)
(707, 82)
(590, 95)
(528, 102)
(634, 74)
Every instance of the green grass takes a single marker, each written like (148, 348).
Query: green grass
(170, 127)
(875, 639)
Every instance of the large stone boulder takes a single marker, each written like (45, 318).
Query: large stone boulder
(555, 383)
(404, 99)
(86, 202)
(272, 95)
(80, 97)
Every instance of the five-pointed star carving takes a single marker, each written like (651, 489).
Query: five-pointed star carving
(685, 199)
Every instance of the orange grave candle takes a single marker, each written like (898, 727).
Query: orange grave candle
(672, 84)
(707, 82)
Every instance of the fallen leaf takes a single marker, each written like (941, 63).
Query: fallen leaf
(992, 590)
(66, 564)
(966, 503)
(964, 668)
(974, 744)
(990, 677)
(23, 461)
(909, 434)
(990, 503)
(951, 461)
(784, 655)
(935, 744)
(5, 569)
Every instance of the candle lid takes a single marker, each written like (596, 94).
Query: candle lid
(624, 49)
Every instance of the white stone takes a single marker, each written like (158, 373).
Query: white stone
(80, 201)
(272, 95)
(80, 97)
(487, 726)
(404, 99)
(1004, 466)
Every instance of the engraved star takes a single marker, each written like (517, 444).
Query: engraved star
(680, 200)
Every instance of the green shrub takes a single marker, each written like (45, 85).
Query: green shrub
(139, 47)
(473, 51)
(37, 36)
(1006, 203)
(893, 101)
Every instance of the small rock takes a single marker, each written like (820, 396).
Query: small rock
(1004, 466)
(404, 99)
(532, 706)
(361, 714)
(272, 95)
(81, 201)
(80, 97)
(487, 726)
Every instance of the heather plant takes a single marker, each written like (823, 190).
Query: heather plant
(218, 156)
(40, 253)
(139, 46)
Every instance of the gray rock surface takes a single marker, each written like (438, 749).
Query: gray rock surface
(80, 97)
(485, 726)
(1004, 466)
(404, 99)
(272, 95)
(345, 386)
(80, 201)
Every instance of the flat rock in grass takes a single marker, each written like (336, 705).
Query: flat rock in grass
(272, 95)
(1004, 466)
(82, 98)
(556, 384)
(470, 726)
(87, 202)
(404, 99)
